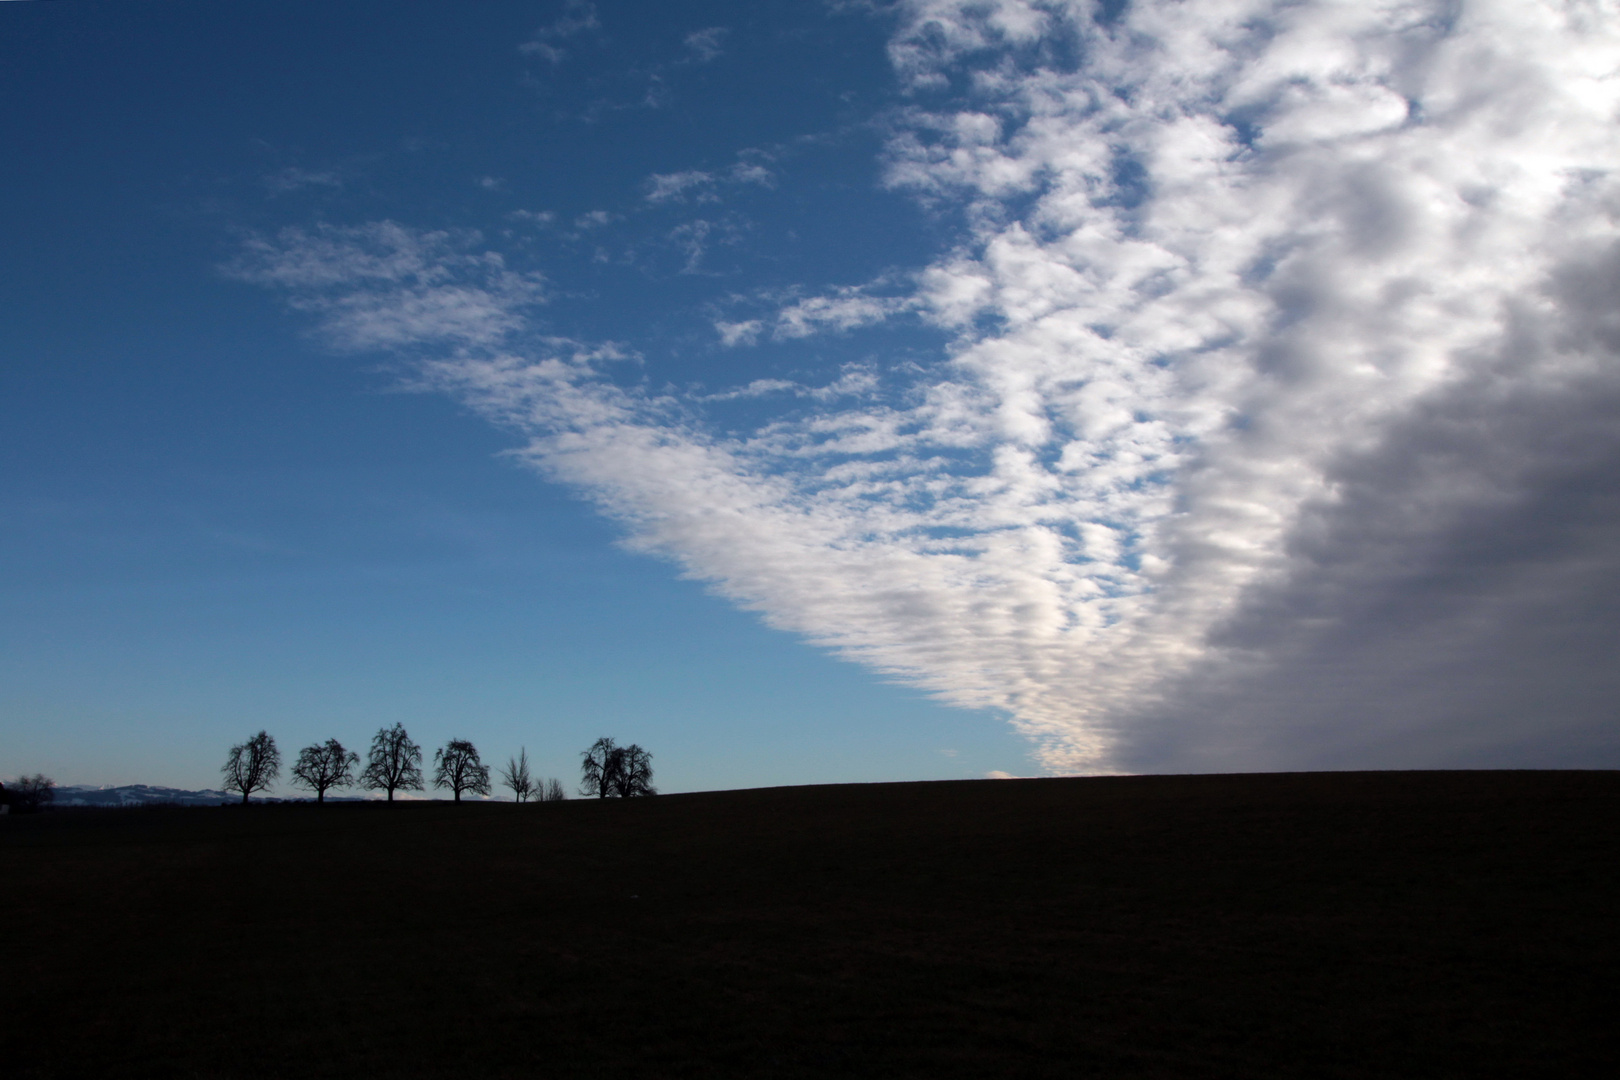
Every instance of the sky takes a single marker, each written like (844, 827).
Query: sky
(811, 392)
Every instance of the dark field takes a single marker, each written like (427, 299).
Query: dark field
(1322, 925)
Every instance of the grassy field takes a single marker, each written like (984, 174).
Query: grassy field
(1315, 925)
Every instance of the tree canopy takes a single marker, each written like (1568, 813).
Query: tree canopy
(457, 767)
(393, 764)
(608, 769)
(324, 765)
(252, 766)
(517, 777)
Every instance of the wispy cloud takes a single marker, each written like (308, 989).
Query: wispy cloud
(696, 237)
(539, 219)
(789, 314)
(756, 389)
(383, 286)
(743, 332)
(692, 237)
(578, 17)
(680, 186)
(654, 80)
(845, 309)
(293, 178)
(853, 382)
(1263, 316)
(705, 45)
(698, 186)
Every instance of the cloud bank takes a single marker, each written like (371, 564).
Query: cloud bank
(1278, 425)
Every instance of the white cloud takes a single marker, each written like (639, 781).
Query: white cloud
(738, 333)
(699, 186)
(846, 309)
(664, 187)
(757, 388)
(1245, 305)
(853, 382)
(843, 308)
(752, 172)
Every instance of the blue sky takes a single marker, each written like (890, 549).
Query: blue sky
(216, 523)
(809, 392)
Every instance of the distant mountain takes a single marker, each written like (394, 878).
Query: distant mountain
(148, 795)
(140, 795)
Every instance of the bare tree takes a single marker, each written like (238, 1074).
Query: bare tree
(633, 776)
(516, 776)
(457, 767)
(325, 765)
(609, 769)
(30, 794)
(252, 766)
(554, 791)
(597, 768)
(394, 763)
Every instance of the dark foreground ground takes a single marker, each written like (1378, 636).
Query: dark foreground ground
(1324, 925)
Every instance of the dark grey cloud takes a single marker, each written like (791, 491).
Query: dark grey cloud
(1457, 601)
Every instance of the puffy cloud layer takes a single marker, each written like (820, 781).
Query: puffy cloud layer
(1278, 425)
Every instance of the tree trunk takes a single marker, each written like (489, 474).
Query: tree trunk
(244, 794)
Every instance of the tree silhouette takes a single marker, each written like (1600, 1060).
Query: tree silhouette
(516, 776)
(457, 767)
(633, 776)
(252, 766)
(29, 794)
(324, 765)
(610, 769)
(553, 791)
(394, 763)
(597, 767)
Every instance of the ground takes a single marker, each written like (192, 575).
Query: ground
(1315, 925)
